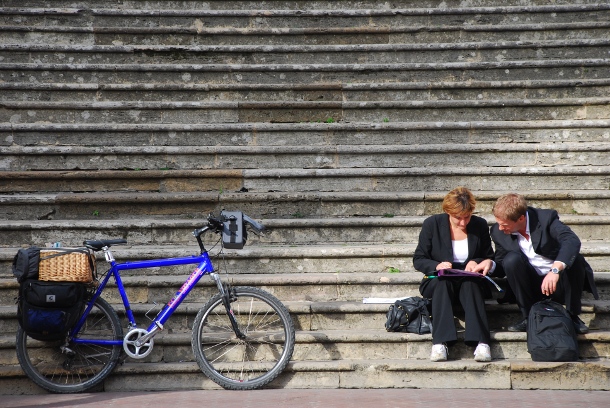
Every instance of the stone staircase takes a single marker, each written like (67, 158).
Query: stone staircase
(340, 125)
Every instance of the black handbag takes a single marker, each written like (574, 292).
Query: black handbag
(410, 315)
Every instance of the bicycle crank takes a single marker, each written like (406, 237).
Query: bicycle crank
(136, 344)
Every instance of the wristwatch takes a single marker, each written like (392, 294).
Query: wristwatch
(555, 271)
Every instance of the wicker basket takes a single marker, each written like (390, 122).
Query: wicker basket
(66, 264)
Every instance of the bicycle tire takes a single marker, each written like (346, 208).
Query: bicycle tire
(256, 360)
(45, 363)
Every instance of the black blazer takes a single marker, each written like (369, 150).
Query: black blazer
(434, 244)
(550, 237)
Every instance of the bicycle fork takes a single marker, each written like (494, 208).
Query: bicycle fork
(227, 296)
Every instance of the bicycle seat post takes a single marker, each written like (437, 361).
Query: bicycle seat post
(108, 255)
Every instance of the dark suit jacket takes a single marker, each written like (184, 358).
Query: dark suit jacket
(550, 237)
(434, 244)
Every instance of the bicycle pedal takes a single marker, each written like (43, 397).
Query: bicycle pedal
(134, 346)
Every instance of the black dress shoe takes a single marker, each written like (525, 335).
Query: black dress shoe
(518, 327)
(579, 325)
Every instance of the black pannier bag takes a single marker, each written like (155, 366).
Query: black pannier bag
(411, 315)
(47, 310)
(25, 264)
(551, 335)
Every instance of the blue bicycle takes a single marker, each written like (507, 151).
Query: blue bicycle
(242, 338)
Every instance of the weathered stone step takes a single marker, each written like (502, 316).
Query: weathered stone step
(201, 34)
(420, 91)
(572, 68)
(436, 178)
(518, 374)
(354, 316)
(298, 231)
(285, 16)
(348, 7)
(115, 205)
(24, 158)
(336, 345)
(432, 179)
(297, 111)
(376, 262)
(368, 373)
(16, 49)
(307, 259)
(351, 282)
(346, 286)
(310, 134)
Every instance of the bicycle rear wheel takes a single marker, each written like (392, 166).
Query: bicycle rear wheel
(78, 367)
(251, 362)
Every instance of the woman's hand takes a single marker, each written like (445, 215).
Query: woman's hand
(443, 265)
(482, 267)
(471, 266)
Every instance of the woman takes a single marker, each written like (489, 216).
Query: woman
(456, 239)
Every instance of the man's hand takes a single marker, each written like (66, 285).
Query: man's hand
(549, 284)
(483, 267)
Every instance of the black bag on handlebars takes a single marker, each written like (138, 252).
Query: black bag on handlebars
(234, 234)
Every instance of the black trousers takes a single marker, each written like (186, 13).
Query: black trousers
(526, 283)
(445, 294)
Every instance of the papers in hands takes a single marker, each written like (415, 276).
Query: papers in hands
(461, 273)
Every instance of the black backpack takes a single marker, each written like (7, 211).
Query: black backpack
(551, 335)
(411, 315)
(47, 310)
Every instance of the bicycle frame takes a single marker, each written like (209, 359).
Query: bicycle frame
(205, 267)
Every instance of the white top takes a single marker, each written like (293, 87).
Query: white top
(460, 250)
(541, 264)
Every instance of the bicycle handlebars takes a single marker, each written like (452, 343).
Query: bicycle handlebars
(217, 225)
(214, 224)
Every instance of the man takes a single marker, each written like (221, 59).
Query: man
(540, 257)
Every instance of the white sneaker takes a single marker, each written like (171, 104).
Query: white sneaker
(439, 352)
(482, 353)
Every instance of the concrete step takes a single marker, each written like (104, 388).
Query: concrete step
(396, 279)
(342, 345)
(333, 111)
(123, 27)
(417, 91)
(375, 261)
(286, 157)
(193, 7)
(310, 134)
(121, 205)
(284, 15)
(566, 68)
(22, 45)
(298, 231)
(347, 330)
(435, 178)
(466, 374)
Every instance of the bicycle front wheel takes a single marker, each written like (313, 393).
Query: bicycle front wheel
(74, 367)
(252, 361)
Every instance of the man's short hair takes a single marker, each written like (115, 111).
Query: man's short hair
(510, 207)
